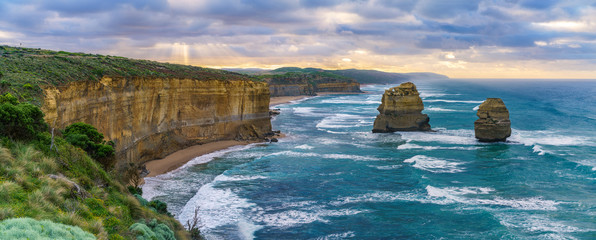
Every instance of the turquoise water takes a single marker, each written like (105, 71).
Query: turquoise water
(331, 178)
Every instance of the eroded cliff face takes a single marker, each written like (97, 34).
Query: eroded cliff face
(278, 90)
(151, 118)
(401, 110)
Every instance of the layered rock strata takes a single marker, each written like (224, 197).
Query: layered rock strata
(309, 89)
(401, 110)
(151, 118)
(493, 124)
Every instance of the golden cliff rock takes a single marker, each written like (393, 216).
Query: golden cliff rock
(149, 118)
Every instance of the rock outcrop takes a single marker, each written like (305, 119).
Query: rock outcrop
(149, 118)
(400, 110)
(493, 124)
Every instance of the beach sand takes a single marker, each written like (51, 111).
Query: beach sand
(179, 158)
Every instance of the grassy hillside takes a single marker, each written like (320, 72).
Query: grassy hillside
(24, 70)
(47, 185)
(304, 77)
(362, 76)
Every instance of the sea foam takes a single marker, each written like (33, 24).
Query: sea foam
(434, 165)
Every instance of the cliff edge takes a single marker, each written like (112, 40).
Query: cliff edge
(401, 110)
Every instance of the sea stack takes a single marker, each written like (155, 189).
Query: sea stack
(493, 123)
(401, 110)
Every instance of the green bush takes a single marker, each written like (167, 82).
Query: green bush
(152, 231)
(20, 121)
(27, 228)
(142, 201)
(135, 190)
(92, 141)
(159, 206)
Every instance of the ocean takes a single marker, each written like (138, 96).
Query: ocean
(332, 178)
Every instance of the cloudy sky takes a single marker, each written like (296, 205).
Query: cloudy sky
(459, 38)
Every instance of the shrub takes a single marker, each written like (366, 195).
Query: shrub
(159, 206)
(92, 141)
(20, 121)
(27, 228)
(152, 230)
(135, 190)
(142, 201)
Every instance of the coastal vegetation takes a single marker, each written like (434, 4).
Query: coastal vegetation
(55, 182)
(23, 71)
(362, 76)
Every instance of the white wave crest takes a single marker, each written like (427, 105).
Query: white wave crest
(219, 207)
(452, 195)
(438, 109)
(549, 138)
(306, 111)
(459, 136)
(414, 146)
(434, 165)
(352, 157)
(304, 146)
(538, 223)
(337, 236)
(292, 218)
(342, 120)
(390, 167)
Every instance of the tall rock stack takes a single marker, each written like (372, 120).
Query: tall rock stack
(401, 110)
(493, 124)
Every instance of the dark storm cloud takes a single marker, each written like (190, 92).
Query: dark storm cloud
(321, 27)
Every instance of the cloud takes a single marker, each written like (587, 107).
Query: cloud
(313, 33)
(446, 9)
(539, 4)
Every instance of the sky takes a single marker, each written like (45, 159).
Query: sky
(458, 38)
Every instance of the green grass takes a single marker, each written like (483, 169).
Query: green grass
(41, 185)
(24, 71)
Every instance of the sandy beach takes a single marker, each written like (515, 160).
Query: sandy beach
(179, 158)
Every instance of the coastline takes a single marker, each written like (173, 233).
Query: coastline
(181, 157)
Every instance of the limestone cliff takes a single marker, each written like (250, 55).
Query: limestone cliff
(278, 90)
(400, 110)
(493, 122)
(308, 83)
(309, 89)
(148, 118)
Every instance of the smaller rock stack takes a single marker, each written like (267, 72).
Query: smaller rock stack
(401, 110)
(493, 124)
